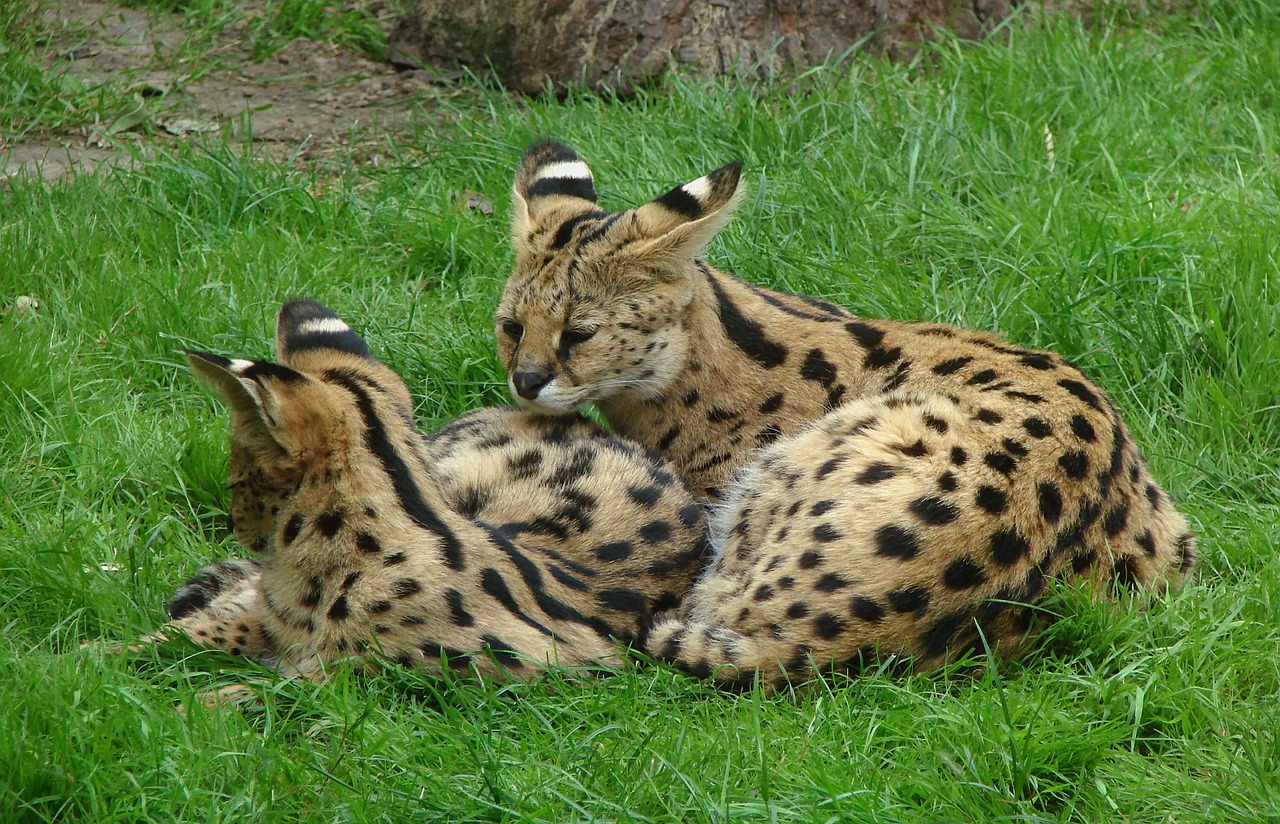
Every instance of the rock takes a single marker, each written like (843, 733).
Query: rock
(533, 45)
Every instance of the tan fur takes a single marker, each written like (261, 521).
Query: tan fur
(902, 488)
(505, 542)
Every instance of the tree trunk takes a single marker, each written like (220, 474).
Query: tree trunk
(533, 45)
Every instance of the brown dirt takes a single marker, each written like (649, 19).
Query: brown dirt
(310, 100)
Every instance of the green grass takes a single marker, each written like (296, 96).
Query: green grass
(1147, 250)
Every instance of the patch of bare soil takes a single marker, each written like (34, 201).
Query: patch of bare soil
(307, 101)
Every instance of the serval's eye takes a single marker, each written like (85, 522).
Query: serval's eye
(512, 329)
(572, 337)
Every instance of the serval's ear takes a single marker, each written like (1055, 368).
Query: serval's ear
(305, 326)
(256, 391)
(312, 338)
(550, 176)
(684, 220)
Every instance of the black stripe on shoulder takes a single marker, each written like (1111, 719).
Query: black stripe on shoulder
(406, 488)
(746, 334)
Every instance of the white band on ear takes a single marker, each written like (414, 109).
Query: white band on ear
(323, 325)
(574, 169)
(239, 365)
(699, 188)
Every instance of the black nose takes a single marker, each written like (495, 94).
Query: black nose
(528, 384)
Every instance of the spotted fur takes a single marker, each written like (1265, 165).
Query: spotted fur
(503, 542)
(884, 488)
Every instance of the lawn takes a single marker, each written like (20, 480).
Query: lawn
(1110, 190)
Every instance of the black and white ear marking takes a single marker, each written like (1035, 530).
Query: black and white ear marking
(245, 384)
(683, 221)
(706, 195)
(304, 325)
(553, 168)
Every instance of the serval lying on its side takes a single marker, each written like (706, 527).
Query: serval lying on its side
(505, 542)
(883, 487)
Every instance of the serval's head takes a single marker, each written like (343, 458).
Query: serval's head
(312, 434)
(595, 306)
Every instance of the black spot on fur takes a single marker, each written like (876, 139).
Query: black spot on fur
(367, 543)
(1082, 392)
(935, 511)
(1083, 561)
(1001, 462)
(1014, 448)
(1075, 463)
(818, 368)
(893, 541)
(457, 611)
(827, 626)
(910, 599)
(622, 599)
(394, 559)
(1008, 547)
(826, 533)
(831, 582)
(866, 609)
(809, 560)
(989, 416)
(1036, 361)
(979, 378)
(1037, 428)
(339, 610)
(314, 594)
(1147, 543)
(1126, 572)
(935, 423)
(646, 496)
(879, 358)
(958, 456)
(1050, 501)
(502, 653)
(291, 529)
(1083, 429)
(947, 482)
(991, 499)
(763, 593)
(669, 438)
(827, 467)
(822, 508)
(915, 450)
(1115, 520)
(949, 367)
(938, 637)
(405, 587)
(867, 336)
(875, 473)
(614, 551)
(655, 532)
(963, 573)
(772, 403)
